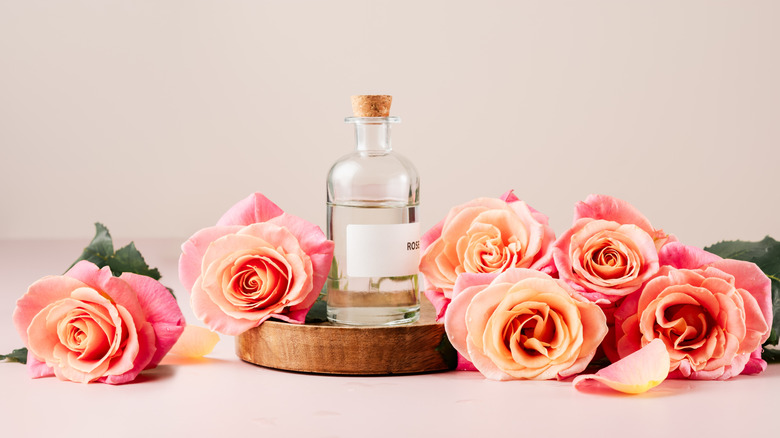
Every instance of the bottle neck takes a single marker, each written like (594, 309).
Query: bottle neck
(373, 137)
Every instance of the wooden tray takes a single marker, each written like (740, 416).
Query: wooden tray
(326, 348)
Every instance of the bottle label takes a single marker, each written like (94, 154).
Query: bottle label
(383, 250)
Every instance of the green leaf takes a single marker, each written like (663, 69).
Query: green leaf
(318, 311)
(19, 355)
(129, 259)
(774, 337)
(447, 352)
(771, 356)
(100, 249)
(765, 254)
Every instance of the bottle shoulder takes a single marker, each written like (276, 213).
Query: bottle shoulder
(373, 177)
(360, 163)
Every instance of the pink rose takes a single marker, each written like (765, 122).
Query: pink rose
(609, 252)
(712, 319)
(258, 262)
(484, 235)
(88, 325)
(523, 324)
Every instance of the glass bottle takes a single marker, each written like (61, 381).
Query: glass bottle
(372, 199)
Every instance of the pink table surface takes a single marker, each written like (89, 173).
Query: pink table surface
(223, 395)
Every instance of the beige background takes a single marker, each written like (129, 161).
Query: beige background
(155, 116)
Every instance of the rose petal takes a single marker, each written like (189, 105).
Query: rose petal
(431, 235)
(457, 225)
(145, 340)
(252, 209)
(611, 209)
(464, 364)
(478, 313)
(455, 319)
(749, 277)
(210, 313)
(464, 290)
(483, 364)
(162, 312)
(38, 368)
(439, 301)
(467, 280)
(292, 316)
(635, 373)
(509, 196)
(438, 267)
(516, 275)
(194, 248)
(681, 256)
(195, 341)
(40, 294)
(594, 323)
(541, 235)
(319, 249)
(755, 364)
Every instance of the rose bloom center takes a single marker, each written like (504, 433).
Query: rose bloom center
(257, 282)
(86, 334)
(686, 326)
(485, 250)
(533, 330)
(608, 258)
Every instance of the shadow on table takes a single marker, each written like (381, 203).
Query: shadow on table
(170, 363)
(173, 359)
(665, 389)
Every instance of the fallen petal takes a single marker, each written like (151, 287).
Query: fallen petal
(635, 373)
(195, 341)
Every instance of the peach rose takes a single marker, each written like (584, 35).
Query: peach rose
(258, 262)
(88, 325)
(484, 235)
(523, 324)
(609, 252)
(712, 319)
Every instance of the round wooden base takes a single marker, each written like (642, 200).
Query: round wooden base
(326, 348)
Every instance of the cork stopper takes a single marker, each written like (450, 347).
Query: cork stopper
(371, 105)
